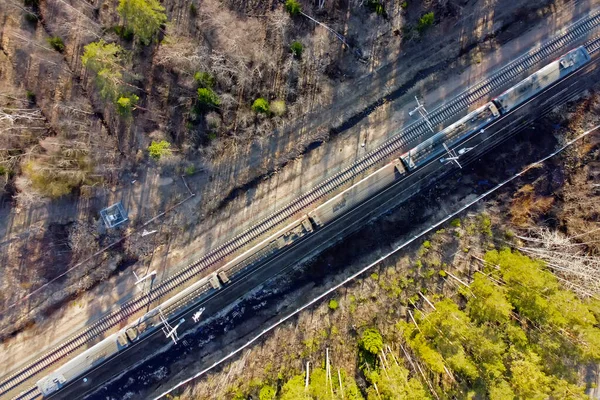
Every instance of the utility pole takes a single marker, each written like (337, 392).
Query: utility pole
(170, 331)
(307, 373)
(454, 155)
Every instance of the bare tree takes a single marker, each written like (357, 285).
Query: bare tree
(567, 258)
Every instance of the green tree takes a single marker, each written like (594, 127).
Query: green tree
(159, 149)
(144, 17)
(296, 48)
(204, 80)
(395, 384)
(293, 7)
(528, 379)
(501, 390)
(267, 392)
(371, 341)
(105, 61)
(207, 98)
(488, 302)
(294, 389)
(425, 22)
(260, 105)
(126, 103)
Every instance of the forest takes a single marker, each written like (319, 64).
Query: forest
(513, 332)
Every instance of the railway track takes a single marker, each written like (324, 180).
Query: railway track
(400, 139)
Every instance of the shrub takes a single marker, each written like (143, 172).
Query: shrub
(427, 244)
(277, 107)
(455, 222)
(296, 48)
(124, 32)
(260, 105)
(267, 393)
(333, 304)
(213, 121)
(57, 43)
(371, 341)
(425, 21)
(404, 5)
(190, 170)
(204, 80)
(377, 7)
(3, 170)
(31, 17)
(208, 98)
(126, 103)
(159, 149)
(293, 7)
(193, 10)
(30, 96)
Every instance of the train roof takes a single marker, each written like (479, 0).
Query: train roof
(471, 121)
(543, 78)
(80, 364)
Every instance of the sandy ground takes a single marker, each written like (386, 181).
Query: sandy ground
(272, 193)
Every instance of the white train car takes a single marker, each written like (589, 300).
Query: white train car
(453, 134)
(535, 83)
(357, 193)
(82, 363)
(115, 343)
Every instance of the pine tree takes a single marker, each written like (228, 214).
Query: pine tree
(143, 17)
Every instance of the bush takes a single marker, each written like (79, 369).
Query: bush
(425, 22)
(296, 48)
(260, 105)
(31, 17)
(191, 170)
(56, 43)
(293, 7)
(277, 107)
(213, 121)
(455, 223)
(333, 304)
(204, 80)
(124, 32)
(208, 98)
(371, 341)
(30, 96)
(377, 7)
(159, 149)
(193, 10)
(404, 5)
(126, 103)
(3, 170)
(267, 393)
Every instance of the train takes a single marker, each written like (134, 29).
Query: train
(423, 153)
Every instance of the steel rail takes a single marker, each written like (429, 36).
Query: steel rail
(400, 139)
